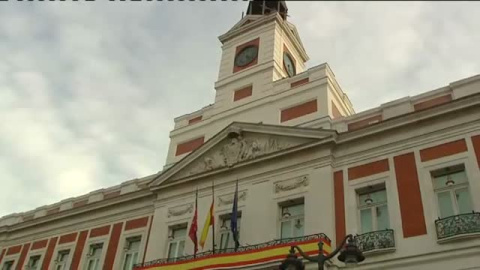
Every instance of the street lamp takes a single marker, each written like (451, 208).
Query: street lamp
(350, 255)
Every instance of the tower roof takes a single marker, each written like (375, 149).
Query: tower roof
(263, 7)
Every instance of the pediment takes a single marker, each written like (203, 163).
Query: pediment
(293, 28)
(238, 148)
(238, 144)
(244, 21)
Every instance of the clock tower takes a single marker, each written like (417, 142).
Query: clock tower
(262, 79)
(261, 48)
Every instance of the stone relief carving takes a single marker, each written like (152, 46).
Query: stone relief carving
(291, 184)
(228, 199)
(238, 147)
(180, 210)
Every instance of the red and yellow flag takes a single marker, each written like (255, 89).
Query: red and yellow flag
(208, 222)
(193, 228)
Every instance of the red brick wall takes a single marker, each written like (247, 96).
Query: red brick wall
(340, 228)
(432, 102)
(368, 169)
(39, 244)
(409, 196)
(112, 246)
(49, 253)
(67, 238)
(255, 42)
(136, 223)
(189, 146)
(14, 250)
(299, 110)
(299, 82)
(242, 93)
(100, 231)
(476, 147)
(443, 150)
(363, 123)
(195, 120)
(23, 256)
(77, 255)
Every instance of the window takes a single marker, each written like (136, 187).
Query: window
(132, 247)
(373, 209)
(93, 257)
(176, 241)
(33, 263)
(451, 189)
(62, 260)
(226, 235)
(292, 219)
(8, 265)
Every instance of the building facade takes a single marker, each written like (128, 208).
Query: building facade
(403, 177)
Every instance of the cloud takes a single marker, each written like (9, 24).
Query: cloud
(382, 51)
(88, 91)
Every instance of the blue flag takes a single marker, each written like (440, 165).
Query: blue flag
(234, 220)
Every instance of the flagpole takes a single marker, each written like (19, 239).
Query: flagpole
(196, 241)
(192, 233)
(213, 216)
(236, 216)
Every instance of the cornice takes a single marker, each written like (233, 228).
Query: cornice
(461, 82)
(404, 121)
(78, 211)
(407, 144)
(43, 232)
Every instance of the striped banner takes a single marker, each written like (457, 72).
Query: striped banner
(274, 251)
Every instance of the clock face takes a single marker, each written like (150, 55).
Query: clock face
(246, 56)
(289, 64)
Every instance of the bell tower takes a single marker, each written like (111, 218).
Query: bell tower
(261, 48)
(267, 7)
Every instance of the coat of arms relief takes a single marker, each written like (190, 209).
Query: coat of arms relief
(238, 147)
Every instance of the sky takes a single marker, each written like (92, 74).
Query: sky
(89, 90)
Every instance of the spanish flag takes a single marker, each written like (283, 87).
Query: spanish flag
(193, 228)
(208, 222)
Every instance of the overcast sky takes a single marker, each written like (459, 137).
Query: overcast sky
(89, 90)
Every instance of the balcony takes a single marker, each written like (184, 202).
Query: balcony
(459, 226)
(377, 241)
(271, 252)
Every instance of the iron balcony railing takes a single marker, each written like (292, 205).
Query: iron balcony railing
(462, 224)
(259, 247)
(377, 240)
